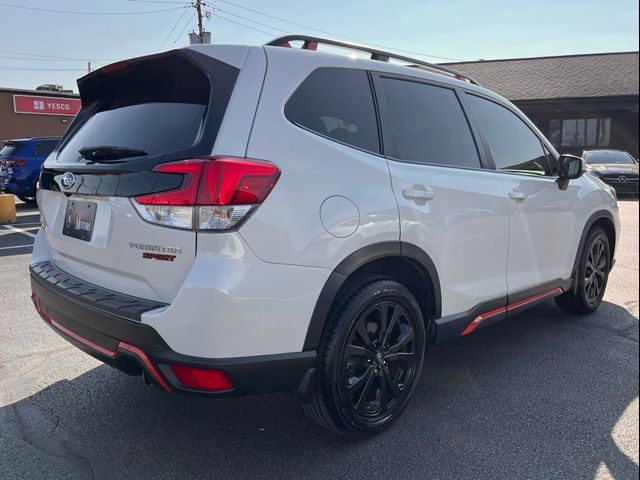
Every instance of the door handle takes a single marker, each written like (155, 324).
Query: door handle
(419, 194)
(517, 195)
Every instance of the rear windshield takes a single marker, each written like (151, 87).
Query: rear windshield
(11, 148)
(155, 106)
(610, 156)
(44, 148)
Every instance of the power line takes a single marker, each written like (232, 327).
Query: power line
(184, 28)
(55, 56)
(32, 69)
(155, 1)
(42, 59)
(333, 34)
(270, 34)
(412, 52)
(75, 12)
(254, 21)
(172, 30)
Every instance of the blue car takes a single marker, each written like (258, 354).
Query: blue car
(20, 162)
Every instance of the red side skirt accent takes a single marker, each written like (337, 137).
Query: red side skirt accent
(472, 326)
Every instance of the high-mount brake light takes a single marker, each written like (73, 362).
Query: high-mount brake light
(114, 67)
(216, 193)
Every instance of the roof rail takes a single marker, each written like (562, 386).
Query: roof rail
(311, 43)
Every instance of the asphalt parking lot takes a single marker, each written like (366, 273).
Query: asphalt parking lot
(544, 395)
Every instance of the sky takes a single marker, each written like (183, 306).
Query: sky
(39, 47)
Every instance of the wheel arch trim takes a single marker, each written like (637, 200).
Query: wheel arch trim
(357, 260)
(595, 217)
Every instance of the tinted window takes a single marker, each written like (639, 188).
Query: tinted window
(512, 144)
(608, 156)
(337, 103)
(428, 124)
(11, 148)
(153, 127)
(157, 106)
(43, 149)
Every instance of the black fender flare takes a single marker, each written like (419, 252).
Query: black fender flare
(353, 262)
(596, 216)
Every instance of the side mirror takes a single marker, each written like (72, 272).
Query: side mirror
(570, 167)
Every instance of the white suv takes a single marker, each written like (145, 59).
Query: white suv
(243, 219)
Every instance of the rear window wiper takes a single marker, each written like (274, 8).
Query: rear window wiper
(107, 152)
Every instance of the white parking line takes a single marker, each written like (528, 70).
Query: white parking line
(17, 246)
(19, 230)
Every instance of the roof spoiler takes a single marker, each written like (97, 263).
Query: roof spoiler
(311, 43)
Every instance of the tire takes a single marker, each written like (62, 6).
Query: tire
(30, 200)
(591, 282)
(365, 373)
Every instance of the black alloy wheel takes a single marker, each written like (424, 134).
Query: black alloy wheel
(596, 270)
(592, 275)
(379, 360)
(369, 359)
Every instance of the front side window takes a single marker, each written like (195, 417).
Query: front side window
(512, 144)
(337, 103)
(428, 124)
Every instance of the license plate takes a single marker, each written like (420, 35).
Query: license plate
(78, 220)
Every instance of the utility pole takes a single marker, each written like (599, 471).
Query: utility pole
(199, 10)
(202, 36)
(89, 66)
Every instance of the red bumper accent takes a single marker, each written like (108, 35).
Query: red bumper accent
(122, 346)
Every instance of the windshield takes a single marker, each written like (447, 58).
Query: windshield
(608, 156)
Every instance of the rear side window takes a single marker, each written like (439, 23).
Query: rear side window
(11, 148)
(43, 149)
(512, 144)
(157, 106)
(428, 125)
(337, 103)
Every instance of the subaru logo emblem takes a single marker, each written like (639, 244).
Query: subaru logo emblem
(622, 179)
(68, 179)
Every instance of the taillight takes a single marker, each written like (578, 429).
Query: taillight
(20, 162)
(216, 193)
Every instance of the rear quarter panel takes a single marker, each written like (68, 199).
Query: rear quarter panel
(287, 228)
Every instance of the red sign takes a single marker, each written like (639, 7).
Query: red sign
(46, 105)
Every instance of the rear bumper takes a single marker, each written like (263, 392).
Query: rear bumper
(107, 326)
(18, 184)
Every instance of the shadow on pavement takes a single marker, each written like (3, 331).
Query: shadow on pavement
(534, 397)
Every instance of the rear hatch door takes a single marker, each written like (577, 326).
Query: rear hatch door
(136, 115)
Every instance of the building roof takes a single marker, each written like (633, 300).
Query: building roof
(40, 93)
(570, 76)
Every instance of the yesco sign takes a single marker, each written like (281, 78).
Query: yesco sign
(46, 105)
